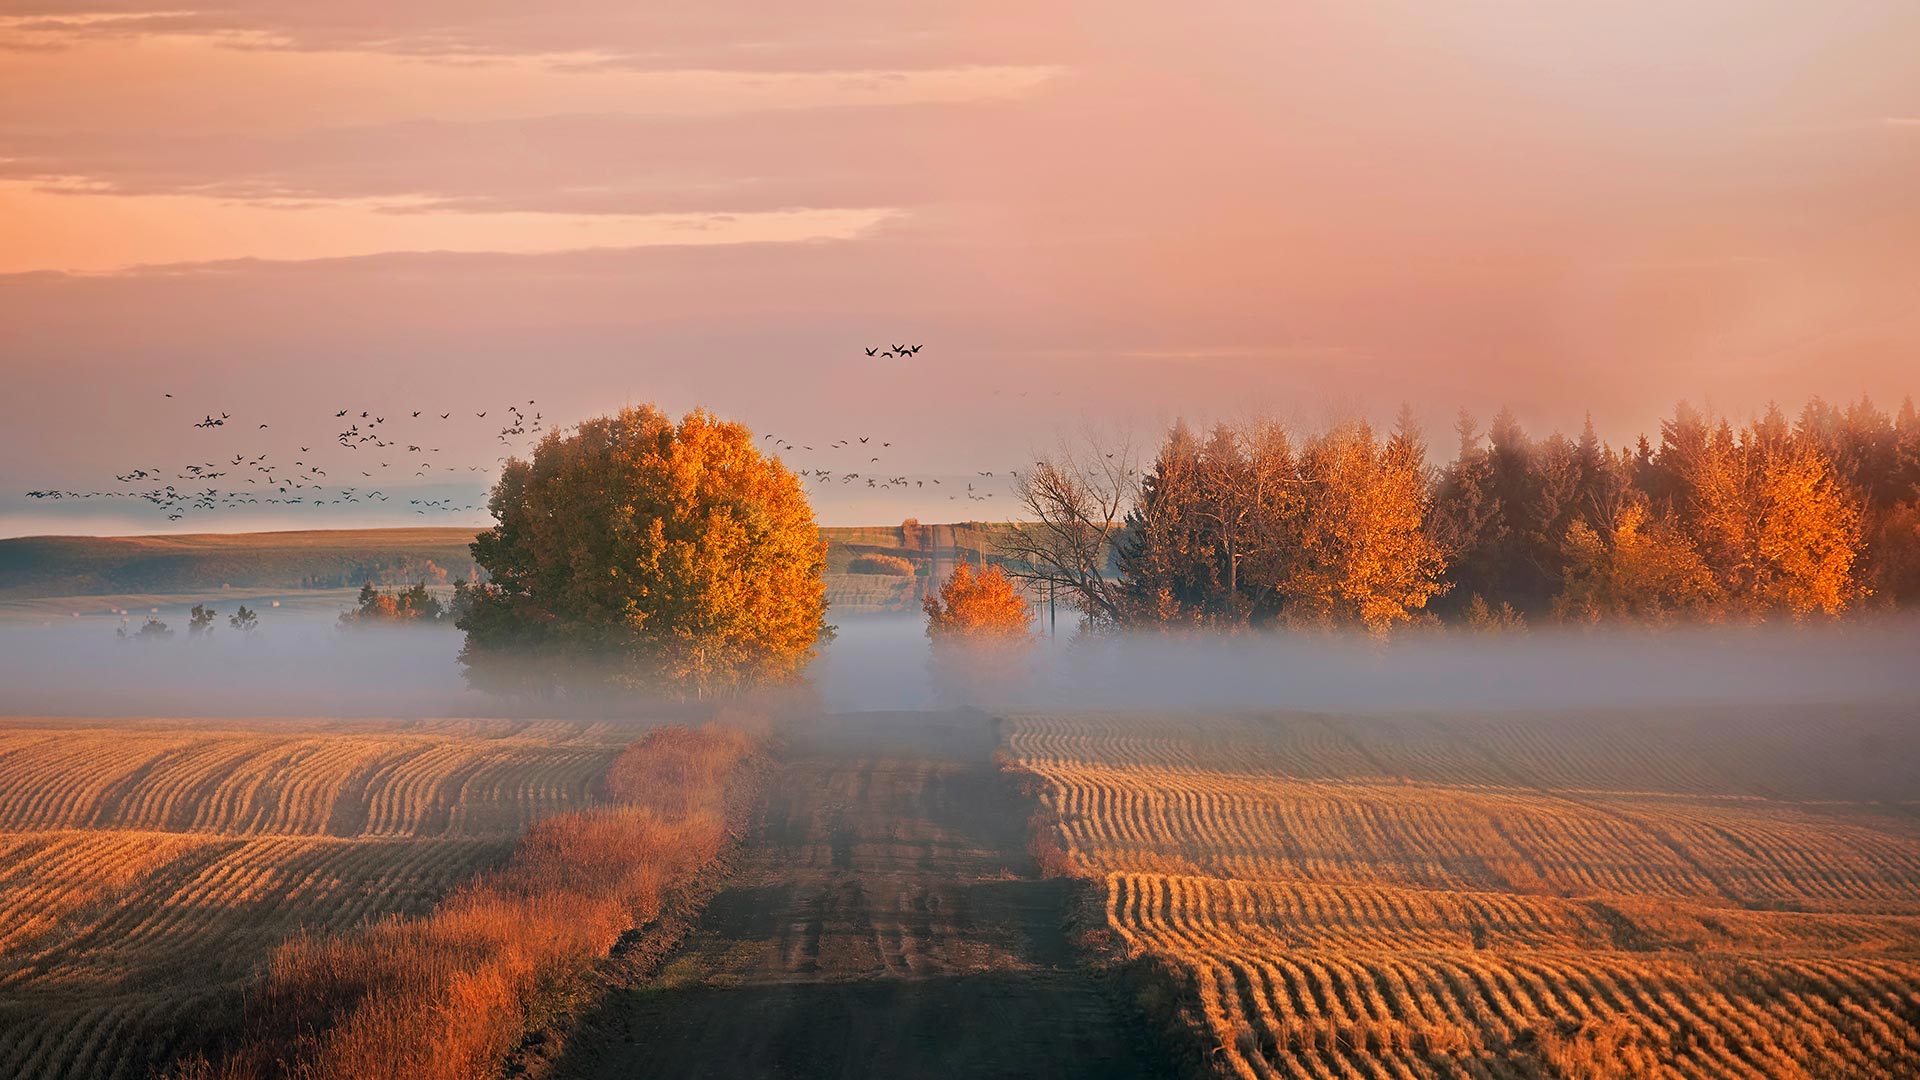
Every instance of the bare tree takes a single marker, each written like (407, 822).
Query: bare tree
(1076, 501)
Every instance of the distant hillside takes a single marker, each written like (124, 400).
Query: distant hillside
(35, 566)
(45, 566)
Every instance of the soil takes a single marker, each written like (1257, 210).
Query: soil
(885, 920)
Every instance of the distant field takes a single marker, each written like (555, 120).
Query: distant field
(1705, 895)
(52, 576)
(38, 566)
(147, 867)
(104, 608)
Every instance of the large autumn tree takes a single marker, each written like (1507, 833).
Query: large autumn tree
(641, 553)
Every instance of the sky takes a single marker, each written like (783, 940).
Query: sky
(1090, 216)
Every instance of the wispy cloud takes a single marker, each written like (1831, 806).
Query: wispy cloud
(109, 232)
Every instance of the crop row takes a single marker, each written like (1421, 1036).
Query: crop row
(234, 783)
(146, 869)
(1442, 897)
(1773, 755)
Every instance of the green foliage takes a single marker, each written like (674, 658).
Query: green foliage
(640, 553)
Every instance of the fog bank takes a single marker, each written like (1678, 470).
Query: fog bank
(303, 664)
(881, 663)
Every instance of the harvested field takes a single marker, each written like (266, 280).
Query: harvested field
(1708, 895)
(147, 867)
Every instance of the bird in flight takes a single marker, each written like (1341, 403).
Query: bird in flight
(870, 352)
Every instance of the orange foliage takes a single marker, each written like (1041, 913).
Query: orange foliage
(980, 627)
(673, 556)
(978, 608)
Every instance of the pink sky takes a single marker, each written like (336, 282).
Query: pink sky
(1089, 214)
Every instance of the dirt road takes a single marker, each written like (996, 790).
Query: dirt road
(886, 921)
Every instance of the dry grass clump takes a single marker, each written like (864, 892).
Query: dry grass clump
(451, 994)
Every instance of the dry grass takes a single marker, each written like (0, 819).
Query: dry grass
(448, 995)
(148, 867)
(1594, 897)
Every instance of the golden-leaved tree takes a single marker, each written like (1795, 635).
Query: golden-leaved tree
(1772, 520)
(1636, 569)
(637, 552)
(1365, 556)
(980, 627)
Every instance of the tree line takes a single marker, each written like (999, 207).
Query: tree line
(1251, 525)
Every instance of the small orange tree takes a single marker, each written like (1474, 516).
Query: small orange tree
(979, 625)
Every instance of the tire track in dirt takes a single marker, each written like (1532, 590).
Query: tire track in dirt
(886, 921)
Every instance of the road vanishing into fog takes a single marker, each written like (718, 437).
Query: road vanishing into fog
(885, 921)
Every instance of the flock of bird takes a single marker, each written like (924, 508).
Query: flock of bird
(884, 479)
(262, 479)
(386, 455)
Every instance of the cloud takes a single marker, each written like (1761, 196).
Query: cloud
(760, 161)
(757, 35)
(1146, 210)
(110, 231)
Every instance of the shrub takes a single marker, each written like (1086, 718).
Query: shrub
(892, 565)
(416, 604)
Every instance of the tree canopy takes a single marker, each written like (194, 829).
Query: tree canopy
(1249, 526)
(978, 606)
(637, 552)
(980, 628)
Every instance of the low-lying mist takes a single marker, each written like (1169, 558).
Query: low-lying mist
(306, 665)
(881, 664)
(300, 665)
